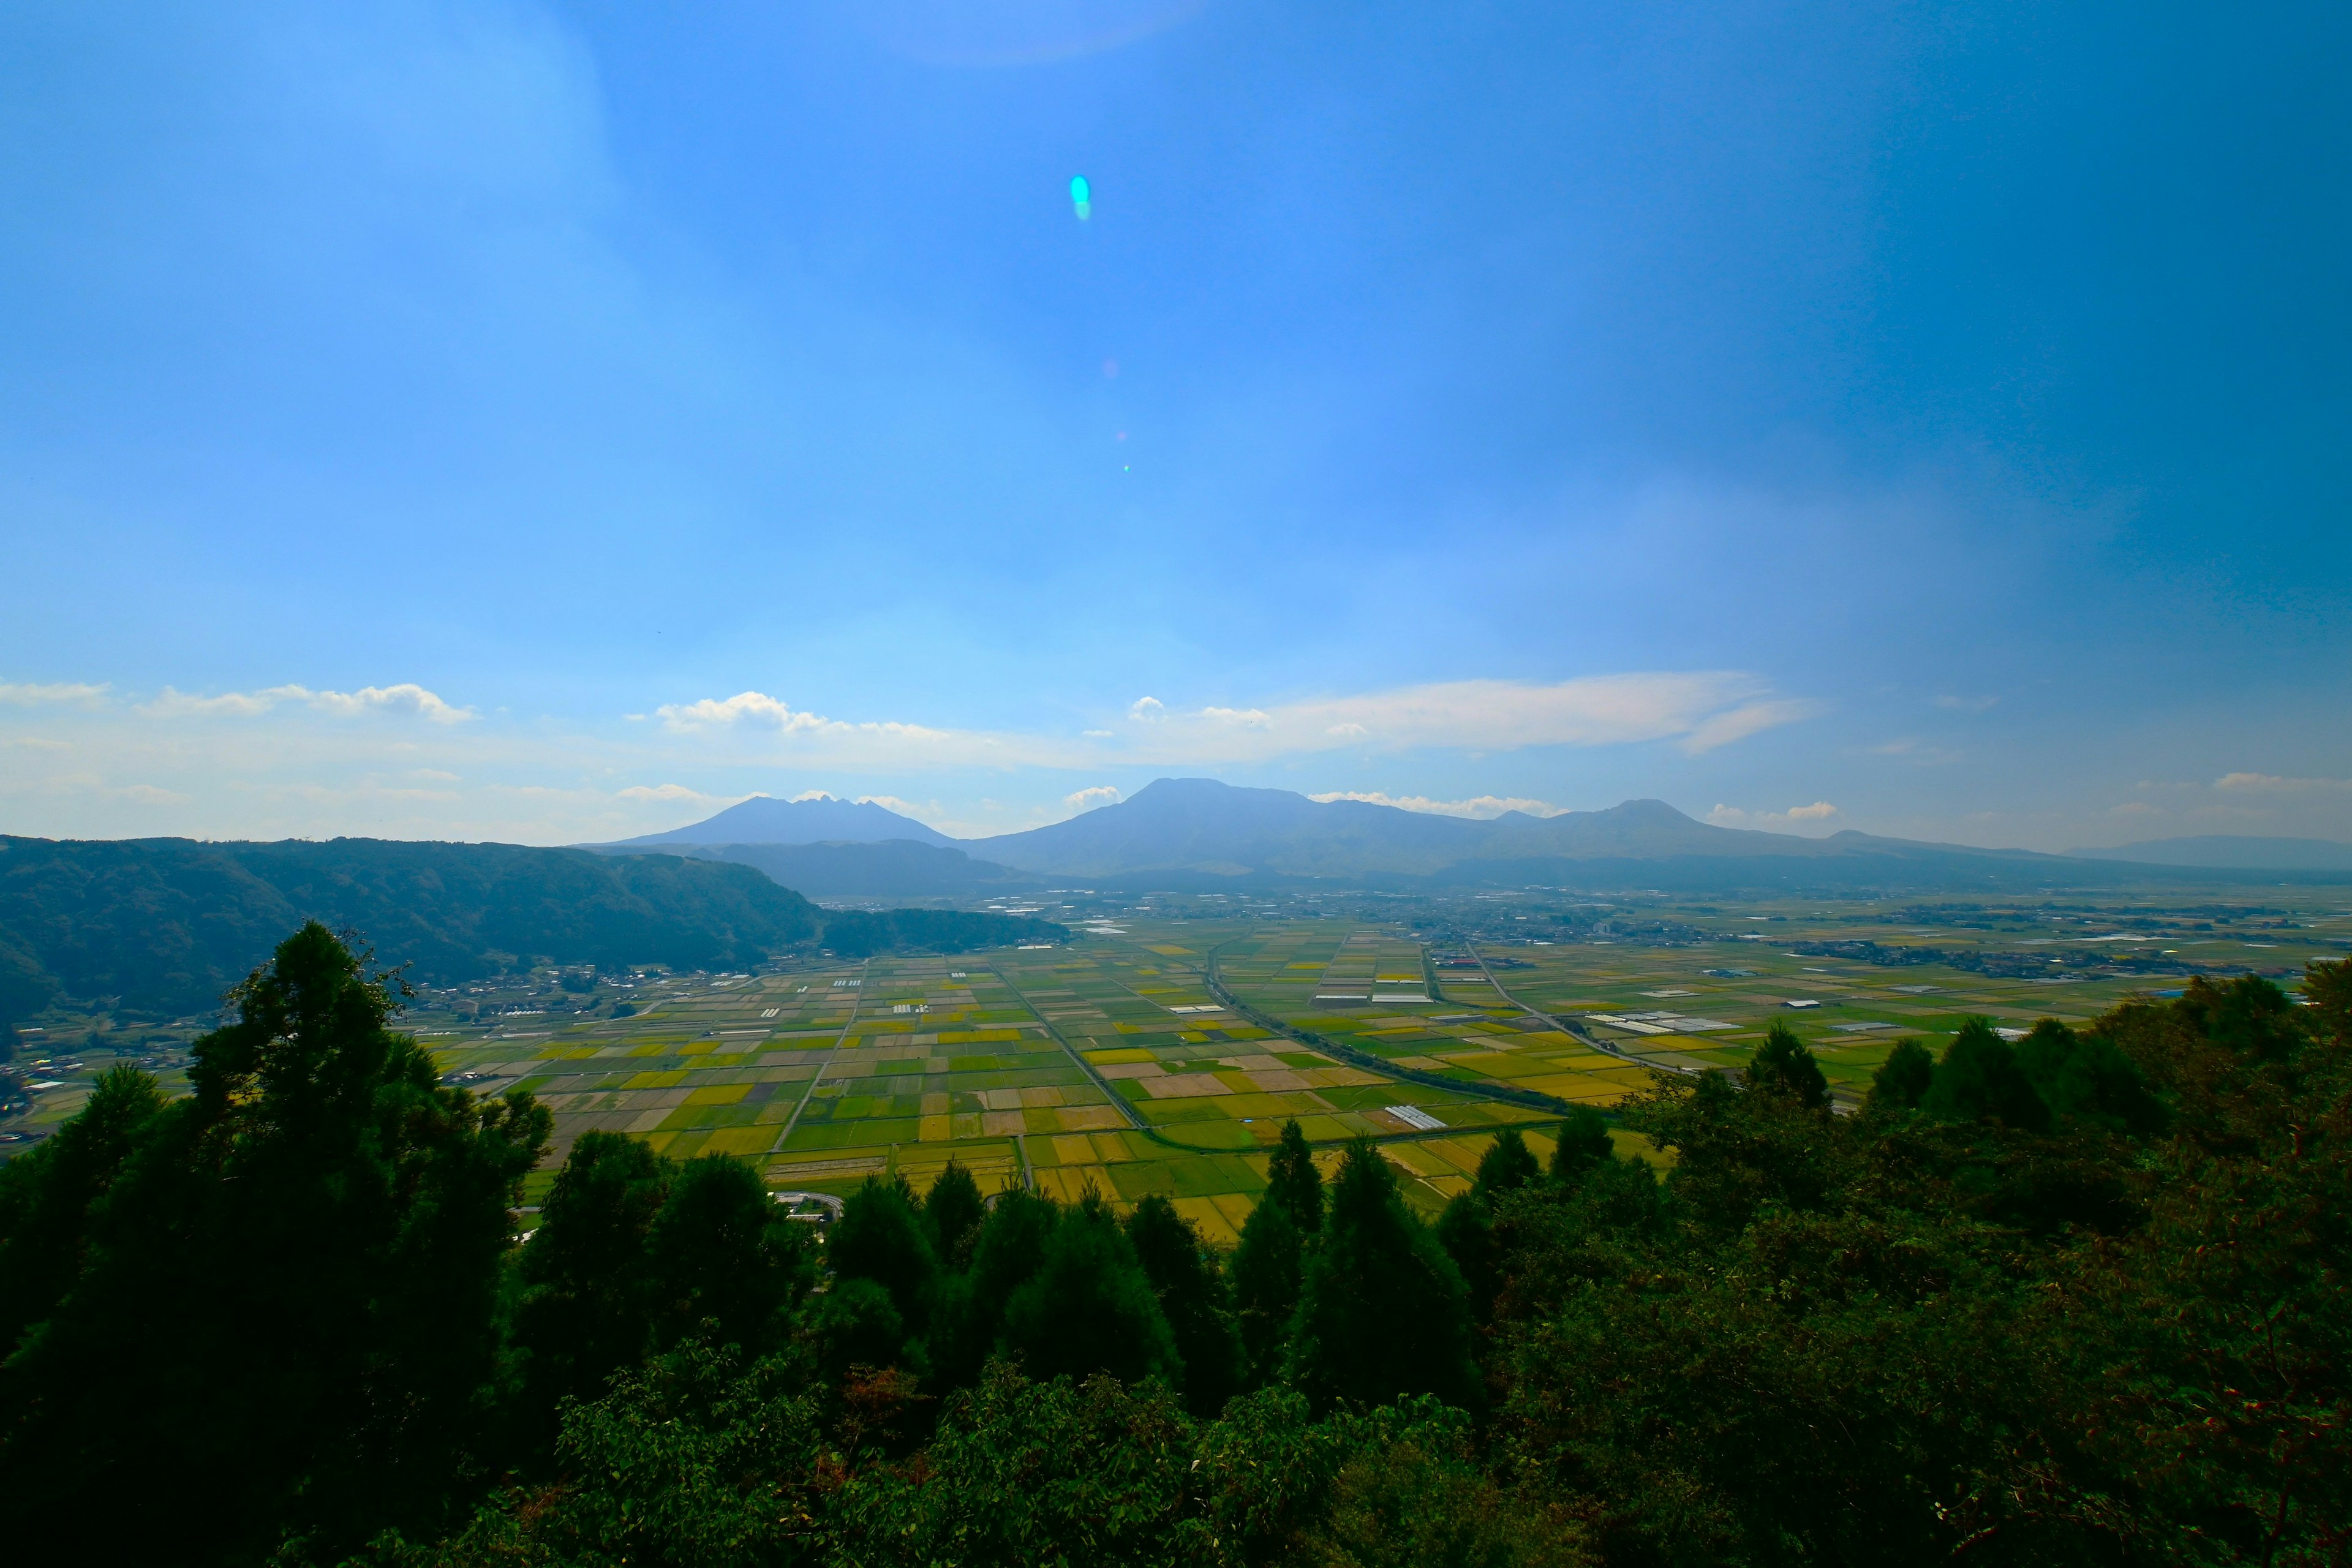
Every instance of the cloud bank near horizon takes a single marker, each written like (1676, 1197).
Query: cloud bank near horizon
(1697, 711)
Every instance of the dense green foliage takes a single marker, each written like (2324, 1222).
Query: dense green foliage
(166, 926)
(2076, 1297)
(859, 934)
(270, 1305)
(1782, 1066)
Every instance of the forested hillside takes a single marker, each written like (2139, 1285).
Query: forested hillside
(2077, 1298)
(168, 924)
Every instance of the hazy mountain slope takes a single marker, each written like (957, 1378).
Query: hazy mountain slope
(1197, 833)
(2233, 852)
(896, 869)
(765, 820)
(1200, 825)
(1636, 829)
(168, 924)
(1205, 825)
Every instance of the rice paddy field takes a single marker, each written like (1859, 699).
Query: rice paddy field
(1163, 1047)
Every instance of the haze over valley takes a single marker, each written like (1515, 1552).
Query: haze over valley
(1145, 782)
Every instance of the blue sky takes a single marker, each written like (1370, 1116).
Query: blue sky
(550, 422)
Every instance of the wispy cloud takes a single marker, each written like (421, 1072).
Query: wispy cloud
(2272, 783)
(1795, 817)
(406, 698)
(24, 695)
(1747, 719)
(1480, 807)
(671, 792)
(1700, 710)
(1697, 711)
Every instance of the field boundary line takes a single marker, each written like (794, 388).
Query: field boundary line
(864, 973)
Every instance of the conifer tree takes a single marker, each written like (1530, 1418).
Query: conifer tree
(1267, 1268)
(881, 1236)
(722, 1253)
(1466, 1231)
(1782, 1066)
(1089, 1306)
(588, 1296)
(1383, 1311)
(1902, 1080)
(1009, 1250)
(1292, 1180)
(1583, 1144)
(46, 1197)
(285, 1316)
(1979, 1080)
(953, 1209)
(1191, 1293)
(1506, 1166)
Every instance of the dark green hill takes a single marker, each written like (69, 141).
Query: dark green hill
(855, 933)
(167, 924)
(894, 868)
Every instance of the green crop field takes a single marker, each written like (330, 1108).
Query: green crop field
(1113, 1063)
(1116, 1062)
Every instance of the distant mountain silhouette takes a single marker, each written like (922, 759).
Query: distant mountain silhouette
(2242, 852)
(1202, 833)
(765, 820)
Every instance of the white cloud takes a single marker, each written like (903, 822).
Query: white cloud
(669, 792)
(149, 794)
(1088, 799)
(405, 698)
(758, 711)
(2273, 783)
(743, 708)
(27, 696)
(1747, 719)
(1480, 807)
(1698, 711)
(40, 743)
(1769, 821)
(1702, 711)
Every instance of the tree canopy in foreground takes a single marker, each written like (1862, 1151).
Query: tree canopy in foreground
(2077, 1298)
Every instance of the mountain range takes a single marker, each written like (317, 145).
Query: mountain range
(1201, 833)
(1190, 829)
